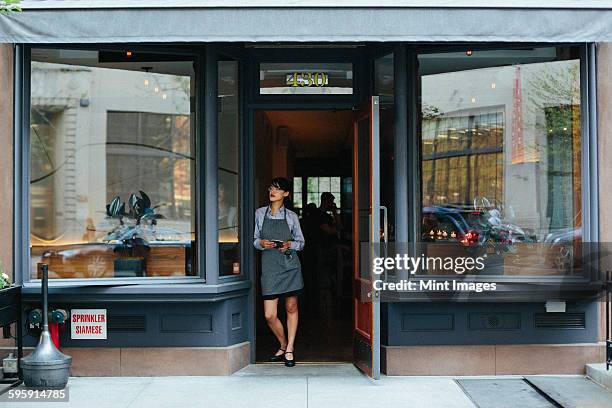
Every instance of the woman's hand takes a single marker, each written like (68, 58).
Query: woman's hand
(267, 244)
(286, 246)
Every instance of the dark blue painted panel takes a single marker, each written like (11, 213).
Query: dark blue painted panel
(482, 323)
(169, 324)
(494, 321)
(186, 323)
(428, 322)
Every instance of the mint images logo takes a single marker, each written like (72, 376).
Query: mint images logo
(432, 285)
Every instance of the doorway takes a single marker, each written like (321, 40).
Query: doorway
(313, 149)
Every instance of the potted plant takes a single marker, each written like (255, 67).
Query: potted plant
(9, 293)
(5, 280)
(10, 6)
(128, 236)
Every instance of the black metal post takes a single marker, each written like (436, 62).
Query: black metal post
(46, 367)
(19, 338)
(608, 284)
(45, 291)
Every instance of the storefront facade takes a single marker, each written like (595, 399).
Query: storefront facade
(185, 113)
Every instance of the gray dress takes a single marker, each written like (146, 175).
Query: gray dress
(280, 272)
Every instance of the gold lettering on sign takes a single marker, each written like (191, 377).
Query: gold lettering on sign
(307, 79)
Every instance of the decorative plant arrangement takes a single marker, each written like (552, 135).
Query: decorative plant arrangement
(10, 6)
(5, 280)
(128, 235)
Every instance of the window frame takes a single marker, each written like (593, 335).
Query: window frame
(250, 101)
(244, 240)
(319, 192)
(588, 140)
(22, 103)
(353, 56)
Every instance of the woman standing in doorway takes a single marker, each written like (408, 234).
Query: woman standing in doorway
(278, 235)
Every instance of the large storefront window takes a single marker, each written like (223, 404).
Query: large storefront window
(500, 142)
(112, 164)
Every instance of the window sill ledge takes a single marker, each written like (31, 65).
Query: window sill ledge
(133, 292)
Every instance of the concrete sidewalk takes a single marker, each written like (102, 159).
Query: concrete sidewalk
(266, 386)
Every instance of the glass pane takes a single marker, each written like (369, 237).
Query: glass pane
(305, 78)
(297, 184)
(111, 166)
(500, 147)
(324, 184)
(229, 169)
(383, 79)
(297, 193)
(297, 200)
(314, 198)
(336, 191)
(385, 87)
(312, 184)
(335, 184)
(364, 182)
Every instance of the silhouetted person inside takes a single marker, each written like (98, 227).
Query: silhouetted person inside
(310, 229)
(310, 222)
(330, 223)
(329, 231)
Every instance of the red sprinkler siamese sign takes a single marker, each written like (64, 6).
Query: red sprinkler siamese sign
(88, 324)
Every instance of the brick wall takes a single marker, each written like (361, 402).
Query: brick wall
(604, 142)
(6, 156)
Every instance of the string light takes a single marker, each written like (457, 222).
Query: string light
(146, 69)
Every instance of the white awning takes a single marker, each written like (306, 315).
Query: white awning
(348, 21)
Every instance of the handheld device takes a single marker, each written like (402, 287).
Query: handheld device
(277, 243)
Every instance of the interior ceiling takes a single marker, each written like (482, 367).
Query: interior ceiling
(143, 62)
(315, 133)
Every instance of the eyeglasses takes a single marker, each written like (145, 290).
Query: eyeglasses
(272, 188)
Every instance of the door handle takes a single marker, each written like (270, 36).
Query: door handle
(385, 224)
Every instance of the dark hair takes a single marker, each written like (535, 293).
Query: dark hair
(327, 196)
(310, 209)
(285, 185)
(281, 183)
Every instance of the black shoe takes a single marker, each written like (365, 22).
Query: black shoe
(289, 363)
(276, 358)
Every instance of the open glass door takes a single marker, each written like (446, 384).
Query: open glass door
(366, 230)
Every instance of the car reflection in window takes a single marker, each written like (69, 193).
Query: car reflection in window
(472, 227)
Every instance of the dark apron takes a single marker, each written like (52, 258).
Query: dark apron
(280, 272)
